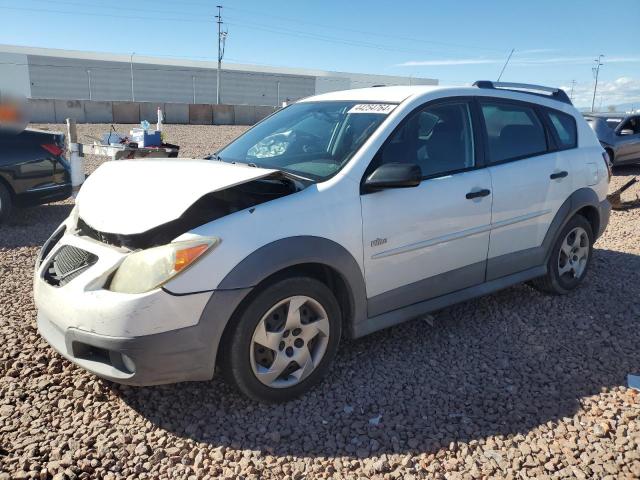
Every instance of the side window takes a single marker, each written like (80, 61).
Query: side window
(513, 131)
(438, 139)
(565, 128)
(632, 124)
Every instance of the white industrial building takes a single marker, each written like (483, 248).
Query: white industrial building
(45, 73)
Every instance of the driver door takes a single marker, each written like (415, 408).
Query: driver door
(429, 240)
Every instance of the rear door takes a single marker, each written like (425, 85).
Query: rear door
(530, 177)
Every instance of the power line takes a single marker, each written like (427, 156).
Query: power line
(325, 38)
(155, 10)
(119, 16)
(279, 30)
(365, 32)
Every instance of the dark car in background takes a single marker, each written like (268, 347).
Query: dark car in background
(619, 135)
(33, 169)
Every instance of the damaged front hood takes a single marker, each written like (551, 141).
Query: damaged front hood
(132, 196)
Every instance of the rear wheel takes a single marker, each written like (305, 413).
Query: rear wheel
(284, 340)
(5, 203)
(570, 258)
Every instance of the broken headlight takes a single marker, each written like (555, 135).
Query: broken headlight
(148, 269)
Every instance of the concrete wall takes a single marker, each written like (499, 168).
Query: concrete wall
(176, 113)
(98, 112)
(126, 112)
(42, 111)
(69, 109)
(223, 115)
(95, 111)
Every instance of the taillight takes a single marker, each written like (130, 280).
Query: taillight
(607, 162)
(53, 149)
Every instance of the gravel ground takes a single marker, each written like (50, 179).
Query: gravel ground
(513, 385)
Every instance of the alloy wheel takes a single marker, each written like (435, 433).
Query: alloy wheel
(574, 253)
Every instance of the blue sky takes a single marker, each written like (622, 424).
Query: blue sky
(456, 42)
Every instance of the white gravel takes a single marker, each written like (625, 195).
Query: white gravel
(513, 385)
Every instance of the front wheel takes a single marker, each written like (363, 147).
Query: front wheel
(284, 341)
(570, 258)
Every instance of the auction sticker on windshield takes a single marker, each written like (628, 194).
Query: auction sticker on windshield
(382, 108)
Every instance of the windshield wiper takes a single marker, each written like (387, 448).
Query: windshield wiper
(287, 173)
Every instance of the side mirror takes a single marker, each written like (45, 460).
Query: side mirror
(393, 175)
(625, 131)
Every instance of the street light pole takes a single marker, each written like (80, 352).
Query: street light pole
(596, 71)
(133, 96)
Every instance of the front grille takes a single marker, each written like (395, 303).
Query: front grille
(67, 264)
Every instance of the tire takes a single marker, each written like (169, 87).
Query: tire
(564, 272)
(262, 353)
(610, 154)
(6, 203)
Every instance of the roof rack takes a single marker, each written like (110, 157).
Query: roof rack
(549, 92)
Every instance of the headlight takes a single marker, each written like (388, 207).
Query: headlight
(148, 269)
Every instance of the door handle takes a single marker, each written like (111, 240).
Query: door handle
(479, 193)
(556, 175)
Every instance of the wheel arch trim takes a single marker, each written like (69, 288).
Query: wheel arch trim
(581, 198)
(292, 251)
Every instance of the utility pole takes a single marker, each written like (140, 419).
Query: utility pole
(573, 85)
(596, 72)
(222, 37)
(506, 63)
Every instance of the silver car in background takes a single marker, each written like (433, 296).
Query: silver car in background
(619, 135)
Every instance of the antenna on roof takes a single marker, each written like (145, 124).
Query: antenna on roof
(506, 63)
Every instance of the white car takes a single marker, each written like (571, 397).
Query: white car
(339, 215)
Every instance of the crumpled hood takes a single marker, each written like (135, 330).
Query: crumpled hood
(133, 196)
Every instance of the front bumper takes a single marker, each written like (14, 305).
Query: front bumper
(169, 357)
(136, 339)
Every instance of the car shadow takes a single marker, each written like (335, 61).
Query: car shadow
(31, 227)
(625, 170)
(499, 365)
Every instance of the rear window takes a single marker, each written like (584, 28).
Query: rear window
(513, 131)
(565, 128)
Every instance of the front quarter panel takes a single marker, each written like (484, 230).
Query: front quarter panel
(329, 210)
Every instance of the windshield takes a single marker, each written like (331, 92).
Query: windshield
(311, 139)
